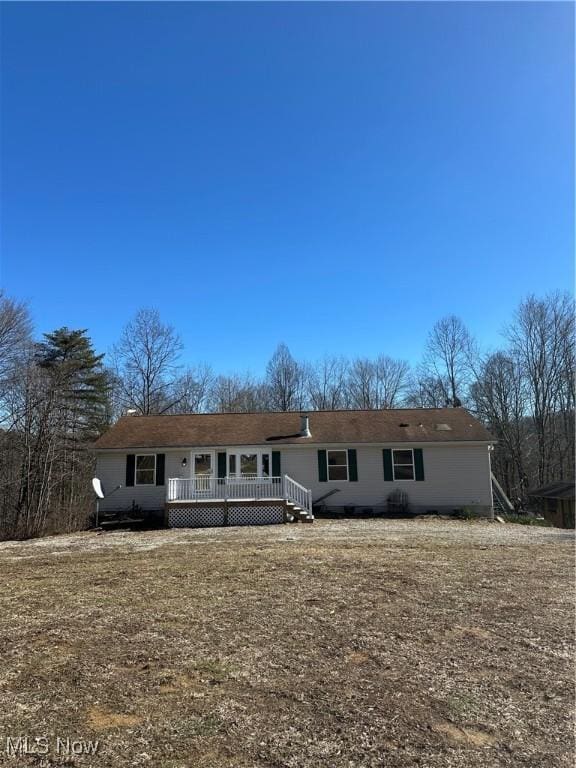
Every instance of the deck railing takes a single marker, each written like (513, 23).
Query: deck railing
(245, 487)
(224, 488)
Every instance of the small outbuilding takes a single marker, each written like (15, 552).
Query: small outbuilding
(556, 502)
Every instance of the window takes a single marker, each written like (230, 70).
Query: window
(253, 464)
(146, 469)
(203, 464)
(337, 465)
(249, 464)
(403, 462)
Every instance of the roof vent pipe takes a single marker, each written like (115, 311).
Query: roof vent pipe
(305, 426)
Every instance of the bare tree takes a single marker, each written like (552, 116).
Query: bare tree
(326, 384)
(425, 391)
(146, 362)
(362, 384)
(392, 378)
(15, 350)
(285, 381)
(15, 339)
(191, 391)
(500, 400)
(237, 394)
(380, 383)
(448, 358)
(542, 338)
(567, 399)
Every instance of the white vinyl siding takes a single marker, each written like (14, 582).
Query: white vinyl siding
(455, 476)
(111, 469)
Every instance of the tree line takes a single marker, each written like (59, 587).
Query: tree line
(58, 394)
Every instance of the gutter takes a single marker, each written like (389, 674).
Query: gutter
(271, 446)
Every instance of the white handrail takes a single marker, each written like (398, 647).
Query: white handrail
(298, 494)
(295, 483)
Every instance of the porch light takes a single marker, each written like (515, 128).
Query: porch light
(184, 461)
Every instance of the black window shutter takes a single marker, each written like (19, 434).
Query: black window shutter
(222, 464)
(160, 464)
(352, 465)
(418, 464)
(276, 469)
(130, 466)
(322, 467)
(387, 458)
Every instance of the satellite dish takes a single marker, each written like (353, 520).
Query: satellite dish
(97, 485)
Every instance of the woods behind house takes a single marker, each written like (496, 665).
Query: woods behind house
(57, 394)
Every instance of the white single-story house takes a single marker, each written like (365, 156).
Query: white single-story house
(256, 468)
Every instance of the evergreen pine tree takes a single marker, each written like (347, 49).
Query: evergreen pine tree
(78, 381)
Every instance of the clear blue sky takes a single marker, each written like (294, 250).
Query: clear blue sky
(336, 176)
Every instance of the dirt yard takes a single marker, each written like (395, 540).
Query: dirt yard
(348, 643)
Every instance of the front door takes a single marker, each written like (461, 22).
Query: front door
(203, 472)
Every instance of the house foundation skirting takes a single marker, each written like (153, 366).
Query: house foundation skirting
(204, 514)
(452, 510)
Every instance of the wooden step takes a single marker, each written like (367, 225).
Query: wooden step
(299, 514)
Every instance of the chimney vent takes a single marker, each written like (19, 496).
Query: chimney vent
(305, 426)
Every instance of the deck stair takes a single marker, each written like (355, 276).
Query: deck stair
(500, 501)
(298, 500)
(299, 514)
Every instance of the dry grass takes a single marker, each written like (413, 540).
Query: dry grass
(365, 643)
